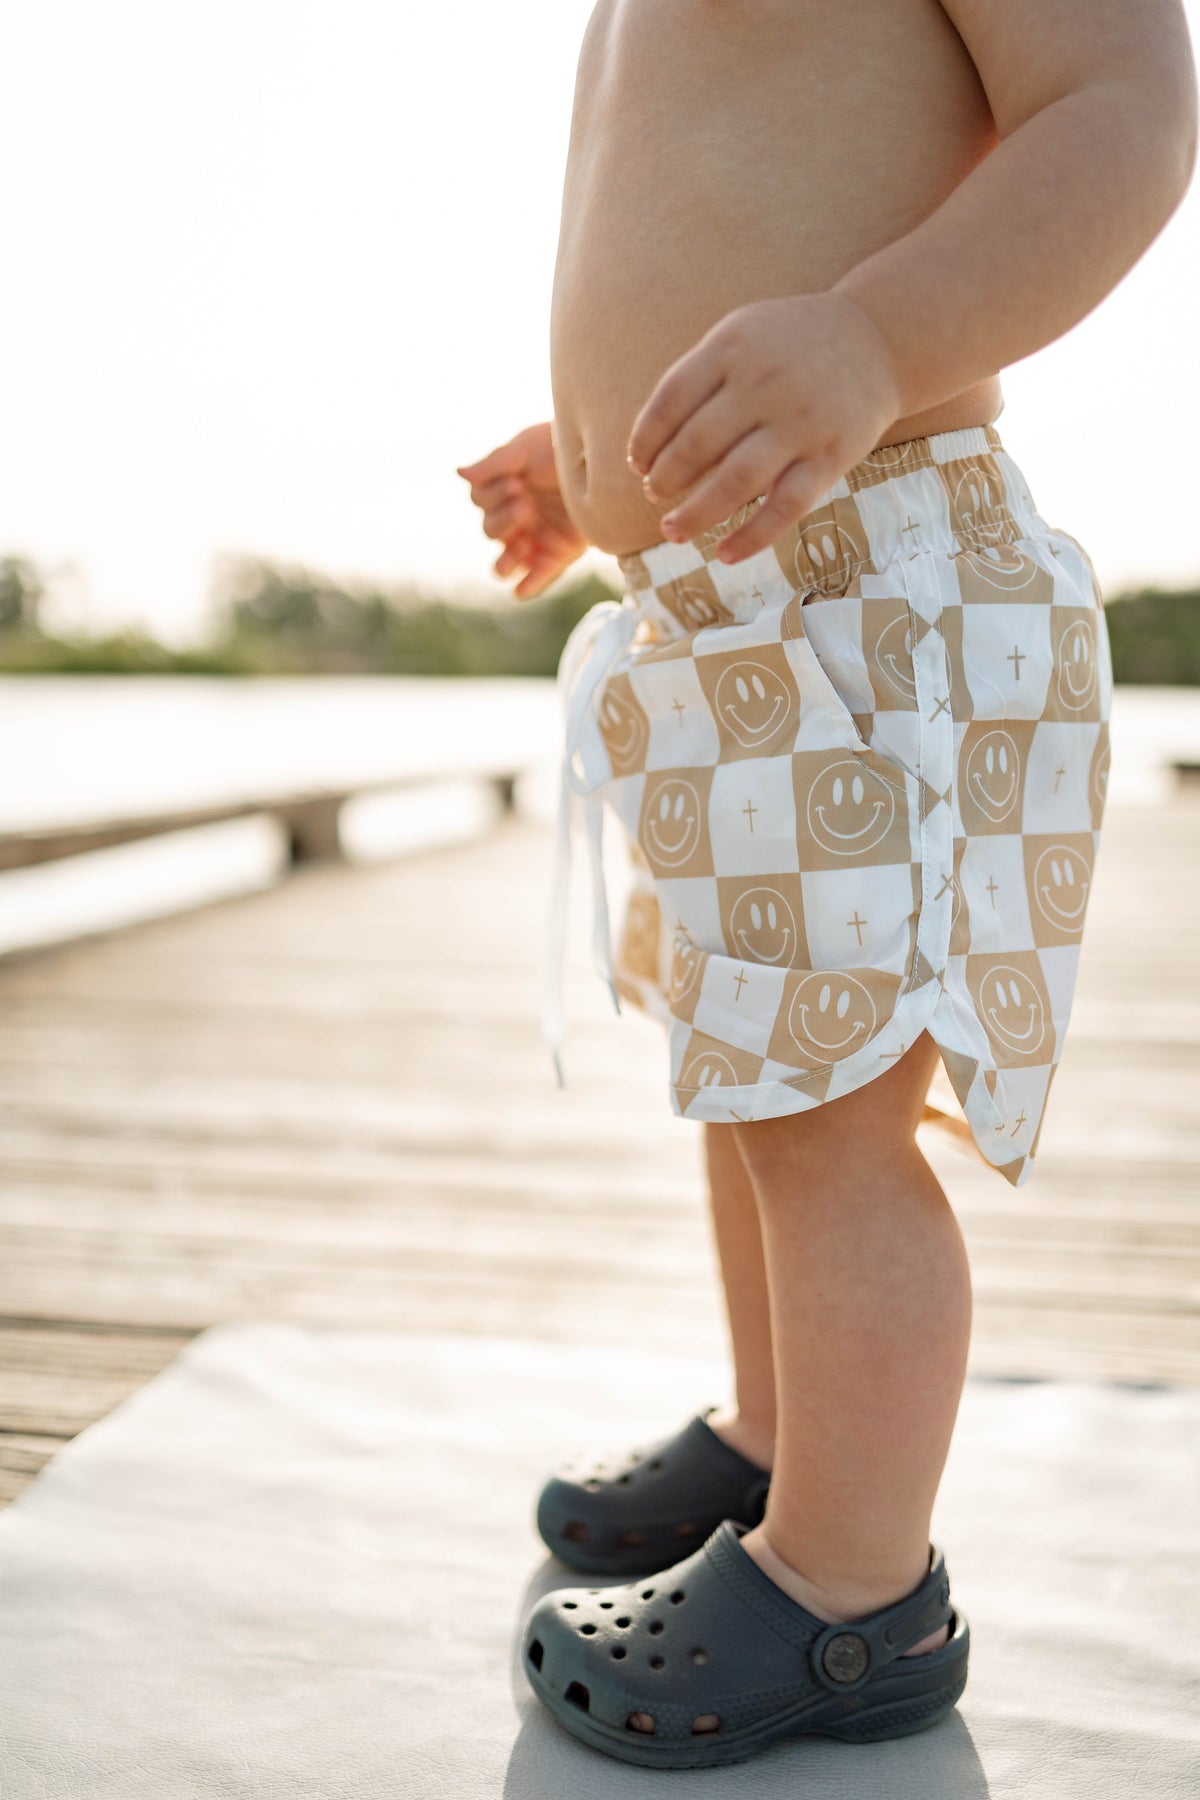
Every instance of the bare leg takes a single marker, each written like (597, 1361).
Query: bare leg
(749, 1425)
(871, 1305)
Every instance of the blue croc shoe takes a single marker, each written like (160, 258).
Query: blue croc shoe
(714, 1661)
(639, 1509)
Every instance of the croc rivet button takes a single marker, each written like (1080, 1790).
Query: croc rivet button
(845, 1657)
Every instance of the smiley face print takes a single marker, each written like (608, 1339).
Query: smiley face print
(1098, 776)
(624, 726)
(709, 1066)
(978, 507)
(1012, 1002)
(673, 823)
(850, 809)
(831, 1014)
(893, 659)
(638, 950)
(1058, 875)
(763, 922)
(693, 601)
(1076, 665)
(753, 698)
(992, 761)
(827, 549)
(686, 975)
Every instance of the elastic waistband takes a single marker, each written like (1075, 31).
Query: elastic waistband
(953, 491)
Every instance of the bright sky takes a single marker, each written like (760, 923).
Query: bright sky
(273, 267)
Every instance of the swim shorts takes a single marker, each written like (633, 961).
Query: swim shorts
(861, 776)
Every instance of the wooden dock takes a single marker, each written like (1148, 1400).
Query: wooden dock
(329, 1104)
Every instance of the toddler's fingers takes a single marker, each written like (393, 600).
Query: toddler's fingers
(505, 459)
(795, 493)
(685, 387)
(507, 520)
(748, 469)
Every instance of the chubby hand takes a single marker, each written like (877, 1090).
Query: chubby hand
(516, 488)
(780, 398)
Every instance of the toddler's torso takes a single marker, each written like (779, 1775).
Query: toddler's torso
(724, 151)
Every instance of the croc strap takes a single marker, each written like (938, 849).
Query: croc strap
(844, 1657)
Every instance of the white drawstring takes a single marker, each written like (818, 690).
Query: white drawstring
(608, 628)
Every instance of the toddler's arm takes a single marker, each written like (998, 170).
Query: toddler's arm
(1095, 107)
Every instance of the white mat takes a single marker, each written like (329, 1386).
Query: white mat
(296, 1565)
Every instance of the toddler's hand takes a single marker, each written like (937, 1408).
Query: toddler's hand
(780, 398)
(516, 488)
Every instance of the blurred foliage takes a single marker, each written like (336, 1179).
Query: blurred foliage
(274, 619)
(268, 619)
(21, 593)
(1155, 636)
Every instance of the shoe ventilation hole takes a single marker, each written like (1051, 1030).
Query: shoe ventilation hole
(705, 1723)
(656, 1626)
(607, 1605)
(658, 1662)
(535, 1654)
(624, 1480)
(576, 1531)
(593, 1590)
(591, 1484)
(629, 1540)
(647, 1593)
(640, 1722)
(699, 1656)
(588, 1630)
(619, 1652)
(570, 1605)
(578, 1695)
(683, 1531)
(677, 1596)
(621, 1621)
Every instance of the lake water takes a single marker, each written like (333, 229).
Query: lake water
(76, 749)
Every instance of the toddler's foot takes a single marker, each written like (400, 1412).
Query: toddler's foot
(805, 1594)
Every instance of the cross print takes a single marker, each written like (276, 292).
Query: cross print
(1016, 657)
(680, 708)
(909, 525)
(1054, 552)
(1019, 1123)
(756, 594)
(750, 809)
(942, 706)
(993, 888)
(947, 881)
(1058, 775)
(884, 1053)
(858, 925)
(741, 978)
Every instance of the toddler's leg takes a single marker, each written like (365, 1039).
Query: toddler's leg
(870, 1304)
(749, 1425)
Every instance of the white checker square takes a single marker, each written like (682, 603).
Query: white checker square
(1008, 659)
(1056, 776)
(682, 732)
(880, 900)
(693, 901)
(739, 1002)
(752, 817)
(992, 873)
(897, 735)
(1060, 966)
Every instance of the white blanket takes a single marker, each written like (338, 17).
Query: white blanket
(297, 1564)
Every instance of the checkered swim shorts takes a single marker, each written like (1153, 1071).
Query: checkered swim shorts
(861, 776)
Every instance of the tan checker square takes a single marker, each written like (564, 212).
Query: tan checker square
(1098, 775)
(992, 760)
(989, 576)
(1058, 880)
(1076, 681)
(960, 913)
(686, 976)
(979, 511)
(891, 460)
(762, 919)
(624, 726)
(638, 948)
(852, 809)
(673, 823)
(692, 599)
(828, 1014)
(887, 640)
(827, 550)
(1013, 1006)
(707, 1063)
(753, 698)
